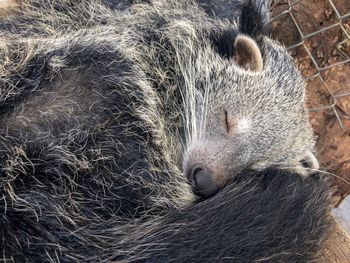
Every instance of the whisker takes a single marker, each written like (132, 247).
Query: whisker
(331, 174)
(320, 171)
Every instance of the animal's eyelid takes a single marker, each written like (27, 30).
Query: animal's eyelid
(227, 124)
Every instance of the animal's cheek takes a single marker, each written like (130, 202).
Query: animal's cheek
(221, 177)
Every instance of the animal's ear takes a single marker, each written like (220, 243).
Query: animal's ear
(247, 54)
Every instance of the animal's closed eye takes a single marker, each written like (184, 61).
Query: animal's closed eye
(227, 124)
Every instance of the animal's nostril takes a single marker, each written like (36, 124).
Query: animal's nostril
(202, 181)
(193, 173)
(196, 172)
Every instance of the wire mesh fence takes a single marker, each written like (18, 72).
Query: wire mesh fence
(317, 33)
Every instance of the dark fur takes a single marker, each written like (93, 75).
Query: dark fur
(81, 182)
(270, 216)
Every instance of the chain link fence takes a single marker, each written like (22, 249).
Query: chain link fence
(317, 33)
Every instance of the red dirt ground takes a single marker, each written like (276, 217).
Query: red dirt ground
(327, 48)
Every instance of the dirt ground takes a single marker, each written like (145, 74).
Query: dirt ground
(328, 93)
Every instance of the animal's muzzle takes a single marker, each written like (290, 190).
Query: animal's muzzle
(202, 181)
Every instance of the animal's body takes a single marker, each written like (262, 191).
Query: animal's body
(108, 106)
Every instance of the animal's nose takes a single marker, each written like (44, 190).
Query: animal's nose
(202, 181)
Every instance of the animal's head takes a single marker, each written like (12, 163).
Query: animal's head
(249, 112)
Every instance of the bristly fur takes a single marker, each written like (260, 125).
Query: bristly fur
(103, 103)
(254, 219)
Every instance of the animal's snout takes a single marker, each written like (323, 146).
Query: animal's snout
(202, 181)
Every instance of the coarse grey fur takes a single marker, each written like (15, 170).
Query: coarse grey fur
(105, 106)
